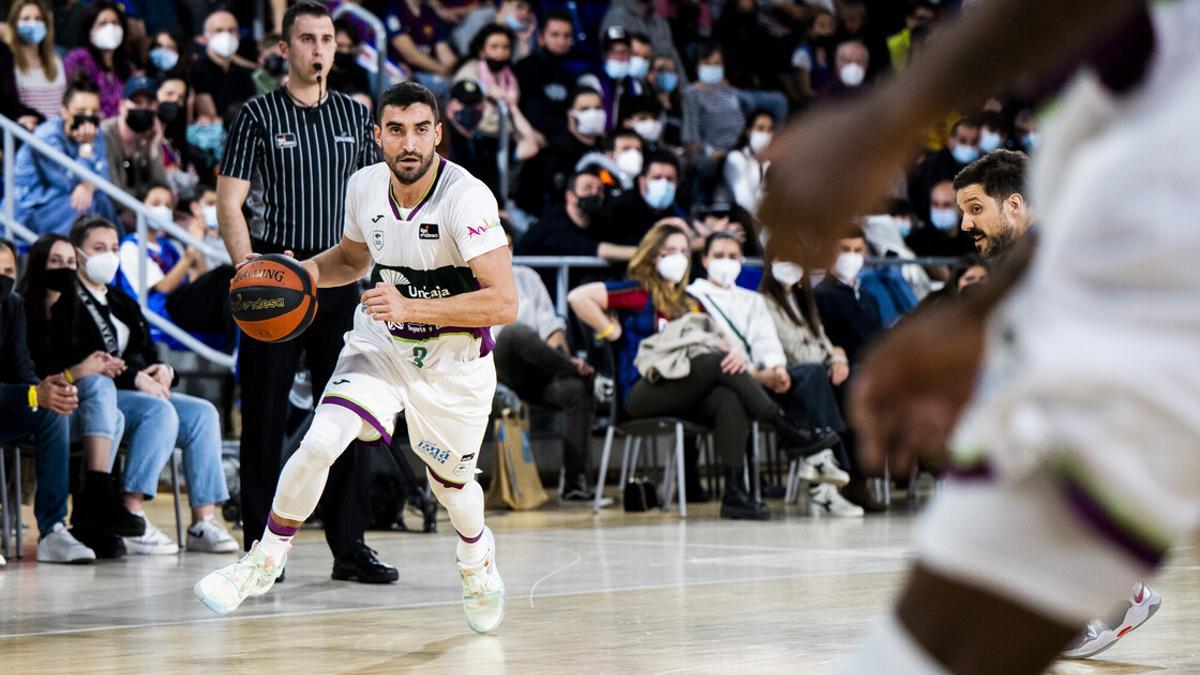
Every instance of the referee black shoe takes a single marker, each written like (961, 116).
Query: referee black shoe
(363, 566)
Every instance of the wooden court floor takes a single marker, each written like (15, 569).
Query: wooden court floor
(642, 593)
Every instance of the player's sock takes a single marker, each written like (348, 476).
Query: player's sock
(465, 506)
(888, 648)
(277, 538)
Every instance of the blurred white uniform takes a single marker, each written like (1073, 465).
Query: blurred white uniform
(1084, 437)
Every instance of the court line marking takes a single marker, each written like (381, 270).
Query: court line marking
(415, 605)
(564, 568)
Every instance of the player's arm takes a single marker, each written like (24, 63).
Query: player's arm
(494, 304)
(343, 264)
(860, 145)
(231, 194)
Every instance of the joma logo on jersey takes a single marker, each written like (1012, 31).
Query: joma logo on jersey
(436, 453)
(427, 231)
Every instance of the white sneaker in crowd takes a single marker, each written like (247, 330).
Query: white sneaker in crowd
(152, 542)
(60, 546)
(483, 590)
(825, 469)
(825, 500)
(1101, 634)
(208, 536)
(251, 576)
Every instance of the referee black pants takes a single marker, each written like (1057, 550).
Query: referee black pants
(266, 371)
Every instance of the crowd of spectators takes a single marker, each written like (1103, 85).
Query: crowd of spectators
(634, 131)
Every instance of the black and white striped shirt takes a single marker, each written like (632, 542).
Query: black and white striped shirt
(298, 161)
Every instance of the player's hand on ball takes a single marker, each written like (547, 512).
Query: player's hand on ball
(384, 303)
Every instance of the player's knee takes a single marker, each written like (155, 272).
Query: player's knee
(444, 490)
(322, 445)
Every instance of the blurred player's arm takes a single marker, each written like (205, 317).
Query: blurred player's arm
(860, 146)
(231, 194)
(494, 304)
(343, 264)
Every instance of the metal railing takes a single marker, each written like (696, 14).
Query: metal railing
(13, 130)
(379, 37)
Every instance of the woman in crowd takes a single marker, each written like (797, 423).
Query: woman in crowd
(490, 64)
(167, 59)
(41, 78)
(746, 166)
(104, 58)
(744, 321)
(717, 390)
(100, 517)
(95, 315)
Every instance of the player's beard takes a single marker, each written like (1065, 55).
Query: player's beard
(410, 176)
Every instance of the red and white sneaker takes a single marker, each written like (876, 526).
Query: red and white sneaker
(1102, 634)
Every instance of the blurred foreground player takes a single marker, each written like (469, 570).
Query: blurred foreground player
(420, 344)
(1077, 456)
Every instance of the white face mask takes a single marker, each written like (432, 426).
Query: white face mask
(210, 217)
(630, 161)
(223, 44)
(848, 266)
(787, 273)
(724, 271)
(108, 37)
(759, 140)
(102, 267)
(590, 122)
(673, 267)
(852, 74)
(161, 214)
(649, 130)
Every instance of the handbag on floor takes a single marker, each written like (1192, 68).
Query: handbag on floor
(516, 484)
(641, 494)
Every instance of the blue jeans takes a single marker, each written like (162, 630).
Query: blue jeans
(156, 427)
(98, 414)
(50, 433)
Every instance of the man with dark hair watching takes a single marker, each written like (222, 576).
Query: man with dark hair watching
(990, 192)
(630, 216)
(299, 144)
(544, 78)
(565, 230)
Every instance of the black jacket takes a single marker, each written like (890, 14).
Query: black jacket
(16, 367)
(850, 322)
(73, 335)
(628, 218)
(546, 85)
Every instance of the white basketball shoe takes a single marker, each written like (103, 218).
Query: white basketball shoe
(227, 588)
(1102, 634)
(483, 590)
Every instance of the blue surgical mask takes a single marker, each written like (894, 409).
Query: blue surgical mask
(989, 141)
(1031, 141)
(164, 59)
(965, 154)
(615, 69)
(943, 219)
(515, 24)
(710, 74)
(31, 32)
(638, 67)
(660, 193)
(904, 226)
(666, 81)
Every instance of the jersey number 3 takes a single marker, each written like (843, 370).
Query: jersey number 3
(419, 354)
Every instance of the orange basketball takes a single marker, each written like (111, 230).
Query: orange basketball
(273, 298)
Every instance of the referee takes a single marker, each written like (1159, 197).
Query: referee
(292, 152)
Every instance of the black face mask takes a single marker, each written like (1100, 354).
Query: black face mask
(168, 112)
(497, 65)
(469, 117)
(6, 286)
(276, 65)
(591, 206)
(60, 279)
(139, 120)
(80, 120)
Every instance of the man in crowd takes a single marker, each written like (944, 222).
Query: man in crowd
(544, 78)
(134, 139)
(218, 80)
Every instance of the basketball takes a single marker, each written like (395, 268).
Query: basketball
(273, 298)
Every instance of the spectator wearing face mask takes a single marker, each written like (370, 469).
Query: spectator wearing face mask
(469, 145)
(712, 117)
(856, 25)
(104, 57)
(962, 148)
(515, 15)
(644, 116)
(219, 81)
(663, 83)
(40, 74)
(619, 164)
(754, 72)
(851, 318)
(172, 115)
(134, 139)
(813, 61)
(574, 227)
(586, 122)
(167, 60)
(48, 197)
(202, 209)
(613, 79)
(490, 64)
(942, 236)
(272, 67)
(545, 80)
(639, 16)
(746, 166)
(346, 76)
(628, 217)
(920, 16)
(850, 71)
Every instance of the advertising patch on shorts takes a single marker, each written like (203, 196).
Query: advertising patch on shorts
(437, 454)
(464, 465)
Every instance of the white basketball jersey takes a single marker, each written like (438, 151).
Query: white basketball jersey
(424, 252)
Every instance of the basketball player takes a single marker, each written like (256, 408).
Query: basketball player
(990, 193)
(420, 344)
(1077, 456)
